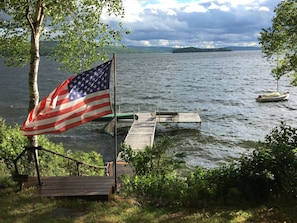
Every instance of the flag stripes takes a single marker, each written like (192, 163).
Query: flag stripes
(59, 112)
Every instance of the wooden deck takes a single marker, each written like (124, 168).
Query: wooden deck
(85, 187)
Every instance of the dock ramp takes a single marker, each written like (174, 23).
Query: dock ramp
(142, 131)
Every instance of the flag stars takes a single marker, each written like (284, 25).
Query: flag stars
(96, 79)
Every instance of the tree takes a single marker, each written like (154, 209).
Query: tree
(279, 42)
(75, 26)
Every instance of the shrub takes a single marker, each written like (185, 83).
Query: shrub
(13, 142)
(200, 189)
(268, 172)
(277, 158)
(156, 176)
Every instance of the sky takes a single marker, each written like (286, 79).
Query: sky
(196, 23)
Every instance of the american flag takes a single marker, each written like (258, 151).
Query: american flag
(79, 99)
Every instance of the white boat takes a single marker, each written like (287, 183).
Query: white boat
(273, 97)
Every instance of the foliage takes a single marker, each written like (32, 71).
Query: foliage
(5, 176)
(12, 143)
(156, 176)
(269, 172)
(200, 190)
(77, 27)
(89, 158)
(279, 41)
(281, 146)
(153, 159)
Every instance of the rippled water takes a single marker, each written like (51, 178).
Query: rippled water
(222, 86)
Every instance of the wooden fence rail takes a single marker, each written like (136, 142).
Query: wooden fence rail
(20, 178)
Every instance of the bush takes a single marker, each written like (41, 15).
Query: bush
(156, 176)
(200, 189)
(276, 160)
(268, 172)
(13, 142)
(5, 177)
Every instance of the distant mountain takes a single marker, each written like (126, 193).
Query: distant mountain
(47, 46)
(151, 48)
(244, 48)
(190, 49)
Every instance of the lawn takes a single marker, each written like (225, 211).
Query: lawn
(21, 206)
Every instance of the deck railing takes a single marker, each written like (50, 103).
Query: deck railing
(107, 168)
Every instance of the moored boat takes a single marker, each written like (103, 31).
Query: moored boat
(273, 97)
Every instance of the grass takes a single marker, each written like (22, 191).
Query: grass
(22, 207)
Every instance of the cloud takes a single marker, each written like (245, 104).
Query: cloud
(204, 23)
(214, 6)
(196, 7)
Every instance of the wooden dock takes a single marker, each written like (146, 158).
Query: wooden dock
(176, 117)
(142, 131)
(85, 187)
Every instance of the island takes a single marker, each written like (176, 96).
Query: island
(194, 50)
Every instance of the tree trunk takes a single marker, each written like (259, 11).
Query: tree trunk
(32, 81)
(35, 19)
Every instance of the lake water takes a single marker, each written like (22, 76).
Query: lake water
(222, 86)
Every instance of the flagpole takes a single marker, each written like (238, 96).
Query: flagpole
(115, 125)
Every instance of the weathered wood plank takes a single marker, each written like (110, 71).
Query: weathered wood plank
(142, 132)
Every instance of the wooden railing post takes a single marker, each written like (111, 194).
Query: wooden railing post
(110, 168)
(77, 168)
(36, 160)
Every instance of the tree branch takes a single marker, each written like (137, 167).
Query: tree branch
(39, 13)
(29, 18)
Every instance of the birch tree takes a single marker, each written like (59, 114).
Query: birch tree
(279, 42)
(75, 26)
